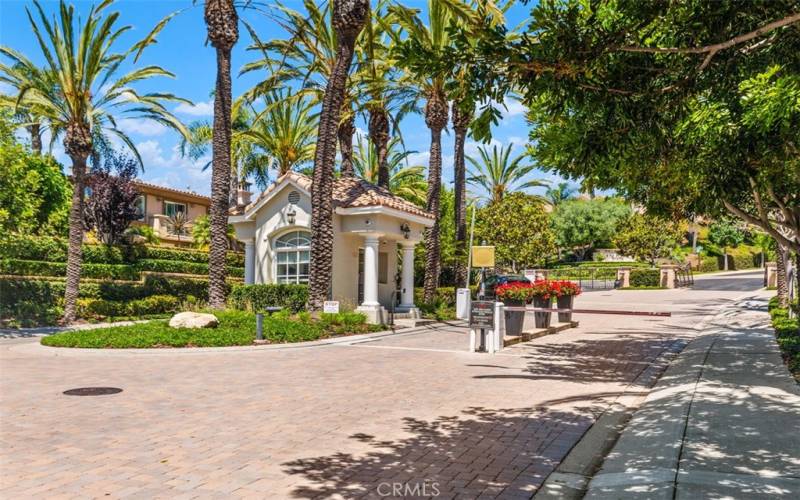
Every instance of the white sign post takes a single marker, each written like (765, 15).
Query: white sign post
(331, 307)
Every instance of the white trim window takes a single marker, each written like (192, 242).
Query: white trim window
(292, 257)
(171, 208)
(141, 207)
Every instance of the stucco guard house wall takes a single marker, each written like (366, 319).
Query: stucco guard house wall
(156, 204)
(372, 228)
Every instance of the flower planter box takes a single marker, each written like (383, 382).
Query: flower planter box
(542, 319)
(514, 319)
(565, 302)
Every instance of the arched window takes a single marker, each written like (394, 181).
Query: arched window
(292, 255)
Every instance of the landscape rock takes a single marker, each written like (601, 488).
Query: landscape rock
(193, 320)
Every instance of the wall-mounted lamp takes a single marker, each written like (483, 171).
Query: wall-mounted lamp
(290, 215)
(405, 229)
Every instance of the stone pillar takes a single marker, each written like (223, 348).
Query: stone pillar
(668, 276)
(371, 307)
(249, 262)
(624, 277)
(407, 281)
(771, 275)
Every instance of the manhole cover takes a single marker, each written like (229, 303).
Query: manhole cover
(92, 391)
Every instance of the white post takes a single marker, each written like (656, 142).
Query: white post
(370, 271)
(371, 307)
(407, 298)
(249, 262)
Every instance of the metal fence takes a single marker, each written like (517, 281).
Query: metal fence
(684, 276)
(589, 278)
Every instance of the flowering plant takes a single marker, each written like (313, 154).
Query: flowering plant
(542, 289)
(514, 291)
(565, 288)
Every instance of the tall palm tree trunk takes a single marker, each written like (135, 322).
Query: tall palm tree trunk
(379, 135)
(345, 133)
(35, 130)
(349, 17)
(436, 120)
(780, 269)
(78, 145)
(461, 122)
(223, 32)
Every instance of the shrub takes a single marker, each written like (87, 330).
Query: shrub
(40, 268)
(101, 309)
(256, 297)
(172, 266)
(176, 286)
(709, 264)
(645, 278)
(51, 249)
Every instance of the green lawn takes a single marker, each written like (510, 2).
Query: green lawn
(235, 328)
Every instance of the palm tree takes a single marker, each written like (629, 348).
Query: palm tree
(461, 118)
(391, 96)
(349, 17)
(562, 192)
(498, 173)
(286, 132)
(222, 23)
(405, 181)
(416, 41)
(309, 55)
(15, 77)
(76, 94)
(243, 154)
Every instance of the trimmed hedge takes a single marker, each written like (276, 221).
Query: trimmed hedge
(51, 249)
(787, 334)
(645, 278)
(101, 309)
(256, 297)
(129, 272)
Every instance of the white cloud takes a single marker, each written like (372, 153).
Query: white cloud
(197, 109)
(172, 169)
(141, 126)
(419, 159)
(513, 107)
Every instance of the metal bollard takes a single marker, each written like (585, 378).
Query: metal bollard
(259, 326)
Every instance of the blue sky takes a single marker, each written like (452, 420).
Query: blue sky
(181, 49)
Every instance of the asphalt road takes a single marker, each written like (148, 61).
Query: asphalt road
(739, 281)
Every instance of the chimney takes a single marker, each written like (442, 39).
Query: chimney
(243, 194)
(243, 197)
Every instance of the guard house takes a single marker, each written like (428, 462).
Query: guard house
(374, 235)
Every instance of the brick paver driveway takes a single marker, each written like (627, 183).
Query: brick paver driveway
(413, 410)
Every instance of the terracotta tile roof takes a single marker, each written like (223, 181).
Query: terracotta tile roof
(172, 190)
(354, 192)
(348, 192)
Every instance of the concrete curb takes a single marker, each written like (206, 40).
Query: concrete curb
(37, 348)
(571, 478)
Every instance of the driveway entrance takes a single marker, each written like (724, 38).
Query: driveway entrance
(413, 410)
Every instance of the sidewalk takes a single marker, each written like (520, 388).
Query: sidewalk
(723, 421)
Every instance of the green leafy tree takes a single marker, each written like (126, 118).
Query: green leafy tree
(562, 192)
(580, 225)
(766, 244)
(518, 227)
(725, 233)
(79, 93)
(34, 192)
(646, 237)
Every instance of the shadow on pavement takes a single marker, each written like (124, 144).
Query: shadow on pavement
(492, 452)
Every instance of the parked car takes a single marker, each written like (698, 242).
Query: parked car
(496, 280)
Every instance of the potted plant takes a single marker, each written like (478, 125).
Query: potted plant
(565, 292)
(514, 295)
(542, 294)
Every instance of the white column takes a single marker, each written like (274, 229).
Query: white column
(407, 284)
(249, 262)
(370, 271)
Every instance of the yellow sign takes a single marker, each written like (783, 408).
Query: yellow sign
(483, 256)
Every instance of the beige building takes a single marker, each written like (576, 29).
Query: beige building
(160, 207)
(372, 228)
